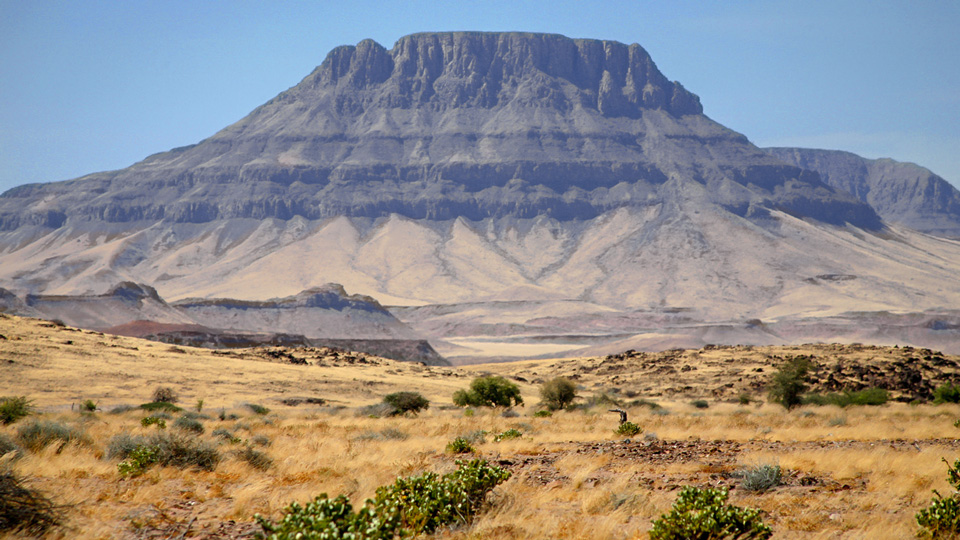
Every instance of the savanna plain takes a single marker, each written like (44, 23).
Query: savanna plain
(283, 425)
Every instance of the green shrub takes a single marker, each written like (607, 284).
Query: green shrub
(867, 396)
(182, 451)
(946, 393)
(410, 507)
(160, 406)
(629, 429)
(138, 460)
(941, 520)
(488, 392)
(88, 406)
(188, 424)
(508, 434)
(406, 402)
(38, 434)
(256, 459)
(122, 444)
(258, 409)
(700, 403)
(789, 382)
(24, 510)
(164, 394)
(460, 445)
(760, 478)
(147, 421)
(557, 393)
(744, 398)
(542, 414)
(703, 514)
(14, 408)
(120, 409)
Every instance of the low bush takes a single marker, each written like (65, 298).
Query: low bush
(406, 402)
(941, 520)
(189, 424)
(88, 405)
(14, 408)
(256, 459)
(629, 429)
(946, 393)
(160, 406)
(226, 435)
(508, 434)
(260, 440)
(760, 477)
(138, 460)
(148, 421)
(542, 414)
(181, 451)
(410, 507)
(122, 444)
(488, 392)
(258, 409)
(24, 510)
(558, 393)
(867, 396)
(120, 409)
(39, 433)
(700, 403)
(460, 445)
(164, 394)
(703, 514)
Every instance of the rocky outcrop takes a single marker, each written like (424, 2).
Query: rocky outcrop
(446, 125)
(902, 193)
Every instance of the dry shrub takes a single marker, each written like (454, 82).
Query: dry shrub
(25, 510)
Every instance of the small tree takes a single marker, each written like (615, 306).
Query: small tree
(789, 382)
(557, 393)
(488, 392)
(405, 402)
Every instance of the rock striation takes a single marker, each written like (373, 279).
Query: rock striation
(902, 193)
(446, 125)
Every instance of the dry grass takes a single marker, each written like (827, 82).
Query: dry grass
(864, 477)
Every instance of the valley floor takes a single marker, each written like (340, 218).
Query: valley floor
(855, 472)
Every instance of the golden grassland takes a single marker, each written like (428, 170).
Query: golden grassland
(859, 472)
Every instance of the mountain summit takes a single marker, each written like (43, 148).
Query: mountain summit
(506, 194)
(446, 125)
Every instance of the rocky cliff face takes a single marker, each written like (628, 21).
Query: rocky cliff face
(902, 193)
(447, 125)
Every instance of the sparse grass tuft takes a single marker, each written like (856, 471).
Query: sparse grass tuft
(186, 423)
(257, 459)
(760, 477)
(122, 444)
(258, 409)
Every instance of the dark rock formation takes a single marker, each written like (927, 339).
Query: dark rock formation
(447, 125)
(902, 193)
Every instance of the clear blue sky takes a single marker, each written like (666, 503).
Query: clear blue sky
(87, 86)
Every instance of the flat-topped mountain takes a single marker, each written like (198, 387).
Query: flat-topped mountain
(447, 125)
(508, 194)
(903, 193)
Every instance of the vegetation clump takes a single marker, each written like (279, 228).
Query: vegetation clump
(941, 520)
(410, 507)
(761, 477)
(14, 408)
(170, 449)
(702, 514)
(700, 403)
(25, 510)
(257, 459)
(946, 393)
(155, 406)
(164, 394)
(148, 421)
(789, 382)
(460, 445)
(867, 396)
(39, 433)
(557, 393)
(511, 433)
(189, 424)
(629, 429)
(406, 402)
(492, 391)
(258, 409)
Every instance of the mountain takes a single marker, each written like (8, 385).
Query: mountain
(481, 184)
(902, 193)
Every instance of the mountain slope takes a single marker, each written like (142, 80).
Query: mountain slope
(902, 193)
